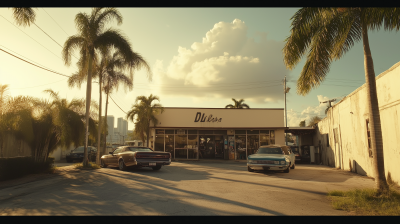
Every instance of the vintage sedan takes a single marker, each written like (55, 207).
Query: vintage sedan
(271, 157)
(77, 154)
(135, 156)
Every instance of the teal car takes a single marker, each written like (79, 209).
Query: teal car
(271, 157)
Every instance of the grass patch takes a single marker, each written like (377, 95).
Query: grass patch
(366, 201)
(91, 166)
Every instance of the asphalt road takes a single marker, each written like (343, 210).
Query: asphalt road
(183, 188)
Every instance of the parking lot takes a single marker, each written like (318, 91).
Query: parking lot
(183, 188)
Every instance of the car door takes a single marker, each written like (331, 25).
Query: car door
(113, 160)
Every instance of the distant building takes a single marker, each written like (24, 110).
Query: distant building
(110, 129)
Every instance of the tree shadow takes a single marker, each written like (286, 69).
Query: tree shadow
(114, 192)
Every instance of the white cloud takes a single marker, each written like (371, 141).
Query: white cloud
(295, 117)
(227, 63)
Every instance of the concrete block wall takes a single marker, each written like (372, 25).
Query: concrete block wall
(346, 128)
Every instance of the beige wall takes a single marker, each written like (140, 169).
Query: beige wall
(349, 149)
(13, 147)
(231, 118)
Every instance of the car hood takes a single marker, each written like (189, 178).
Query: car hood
(266, 156)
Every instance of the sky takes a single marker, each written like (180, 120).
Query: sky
(199, 57)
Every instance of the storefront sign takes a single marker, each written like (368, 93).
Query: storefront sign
(203, 118)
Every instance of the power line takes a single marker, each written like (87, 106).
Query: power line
(116, 104)
(34, 64)
(56, 22)
(25, 57)
(39, 86)
(31, 37)
(47, 35)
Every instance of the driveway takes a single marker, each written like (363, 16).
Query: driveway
(183, 188)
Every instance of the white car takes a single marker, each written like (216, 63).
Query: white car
(272, 157)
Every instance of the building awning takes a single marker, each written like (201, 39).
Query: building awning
(300, 130)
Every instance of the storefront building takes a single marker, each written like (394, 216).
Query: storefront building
(216, 133)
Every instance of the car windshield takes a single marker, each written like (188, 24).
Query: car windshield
(135, 149)
(79, 149)
(269, 151)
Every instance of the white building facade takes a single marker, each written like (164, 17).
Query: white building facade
(216, 133)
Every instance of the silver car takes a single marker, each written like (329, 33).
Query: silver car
(272, 157)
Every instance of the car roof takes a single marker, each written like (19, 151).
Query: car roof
(273, 146)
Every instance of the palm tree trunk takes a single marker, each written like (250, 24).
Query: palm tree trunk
(100, 127)
(148, 134)
(374, 116)
(105, 116)
(88, 98)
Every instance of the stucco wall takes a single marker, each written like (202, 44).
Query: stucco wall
(349, 149)
(13, 147)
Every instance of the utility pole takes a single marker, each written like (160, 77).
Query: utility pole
(285, 90)
(328, 101)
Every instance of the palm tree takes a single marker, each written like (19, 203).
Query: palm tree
(24, 16)
(145, 113)
(328, 33)
(15, 117)
(313, 120)
(238, 104)
(92, 36)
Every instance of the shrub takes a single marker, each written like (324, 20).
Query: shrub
(15, 167)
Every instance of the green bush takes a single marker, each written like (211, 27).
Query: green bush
(15, 167)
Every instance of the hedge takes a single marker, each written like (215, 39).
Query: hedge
(15, 167)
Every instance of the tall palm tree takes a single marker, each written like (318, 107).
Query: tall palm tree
(111, 72)
(238, 104)
(145, 110)
(326, 34)
(93, 36)
(24, 16)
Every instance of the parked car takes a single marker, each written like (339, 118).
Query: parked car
(135, 156)
(77, 154)
(272, 157)
(297, 154)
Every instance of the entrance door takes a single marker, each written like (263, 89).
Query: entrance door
(207, 146)
(219, 146)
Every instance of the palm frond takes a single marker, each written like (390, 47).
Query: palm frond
(24, 16)
(72, 43)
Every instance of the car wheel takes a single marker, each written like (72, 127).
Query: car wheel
(293, 166)
(103, 164)
(122, 165)
(287, 169)
(249, 169)
(156, 167)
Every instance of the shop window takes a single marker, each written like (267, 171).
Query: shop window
(252, 144)
(220, 132)
(272, 138)
(160, 131)
(240, 141)
(192, 147)
(169, 131)
(180, 132)
(264, 132)
(264, 140)
(169, 145)
(206, 132)
(192, 132)
(159, 144)
(255, 132)
(181, 146)
(240, 132)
